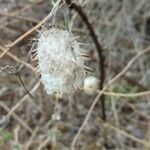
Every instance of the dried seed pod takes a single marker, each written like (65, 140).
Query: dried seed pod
(59, 61)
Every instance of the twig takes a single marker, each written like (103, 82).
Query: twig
(85, 19)
(18, 74)
(139, 94)
(53, 11)
(44, 143)
(127, 135)
(31, 138)
(20, 17)
(22, 100)
(129, 79)
(130, 63)
(21, 10)
(34, 21)
(137, 111)
(18, 119)
(16, 58)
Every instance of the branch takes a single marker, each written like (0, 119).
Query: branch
(98, 46)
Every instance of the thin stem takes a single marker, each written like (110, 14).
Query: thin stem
(85, 19)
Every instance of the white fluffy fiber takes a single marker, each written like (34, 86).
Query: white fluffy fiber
(91, 85)
(60, 64)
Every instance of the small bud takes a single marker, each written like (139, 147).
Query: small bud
(91, 85)
(56, 117)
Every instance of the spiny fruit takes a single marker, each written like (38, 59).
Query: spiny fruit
(60, 61)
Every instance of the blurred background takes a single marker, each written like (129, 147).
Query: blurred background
(31, 119)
